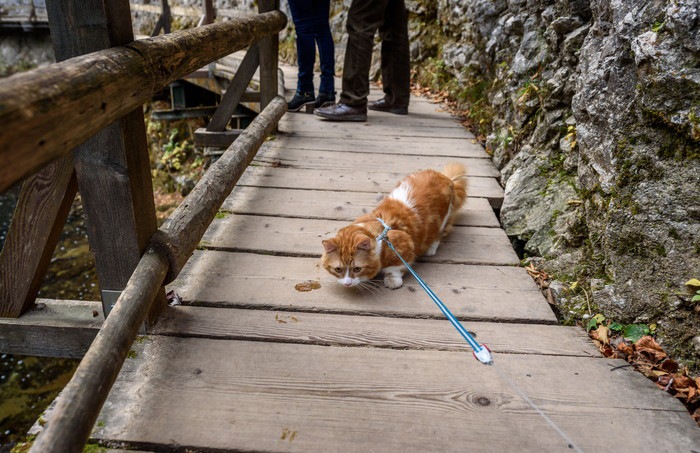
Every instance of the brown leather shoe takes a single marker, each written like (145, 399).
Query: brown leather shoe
(343, 112)
(382, 106)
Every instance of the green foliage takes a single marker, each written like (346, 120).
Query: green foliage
(632, 332)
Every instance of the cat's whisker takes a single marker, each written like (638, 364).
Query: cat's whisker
(374, 283)
(370, 288)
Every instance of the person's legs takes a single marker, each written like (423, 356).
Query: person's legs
(364, 19)
(326, 47)
(396, 68)
(304, 22)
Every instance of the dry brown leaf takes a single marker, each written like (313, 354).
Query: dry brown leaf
(625, 348)
(682, 382)
(603, 334)
(669, 365)
(650, 349)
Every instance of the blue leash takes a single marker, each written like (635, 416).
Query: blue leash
(481, 352)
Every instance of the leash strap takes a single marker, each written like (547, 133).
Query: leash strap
(481, 352)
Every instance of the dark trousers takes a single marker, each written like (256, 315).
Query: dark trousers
(365, 18)
(311, 23)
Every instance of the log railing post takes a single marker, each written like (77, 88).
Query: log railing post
(269, 52)
(112, 172)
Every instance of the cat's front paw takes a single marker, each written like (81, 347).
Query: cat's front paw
(393, 281)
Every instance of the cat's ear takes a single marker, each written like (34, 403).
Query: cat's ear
(364, 244)
(329, 246)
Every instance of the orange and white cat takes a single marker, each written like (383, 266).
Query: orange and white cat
(420, 211)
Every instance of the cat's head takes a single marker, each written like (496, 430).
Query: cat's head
(351, 256)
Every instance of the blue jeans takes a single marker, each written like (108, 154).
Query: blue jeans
(311, 22)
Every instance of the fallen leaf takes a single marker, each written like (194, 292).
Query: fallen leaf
(669, 365)
(625, 348)
(693, 283)
(634, 332)
(603, 335)
(648, 346)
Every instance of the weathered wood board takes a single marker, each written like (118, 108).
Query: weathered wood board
(340, 161)
(404, 146)
(244, 280)
(52, 328)
(259, 396)
(345, 206)
(374, 331)
(302, 237)
(352, 180)
(380, 124)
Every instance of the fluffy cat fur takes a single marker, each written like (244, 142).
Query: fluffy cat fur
(420, 211)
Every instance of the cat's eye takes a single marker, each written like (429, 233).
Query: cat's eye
(338, 270)
(356, 269)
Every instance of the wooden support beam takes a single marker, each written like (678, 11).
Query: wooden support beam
(52, 328)
(163, 23)
(48, 111)
(269, 57)
(216, 139)
(42, 208)
(232, 96)
(46, 197)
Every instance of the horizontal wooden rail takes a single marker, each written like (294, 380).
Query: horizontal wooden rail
(80, 402)
(48, 111)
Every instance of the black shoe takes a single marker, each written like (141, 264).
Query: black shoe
(324, 99)
(383, 106)
(343, 112)
(301, 100)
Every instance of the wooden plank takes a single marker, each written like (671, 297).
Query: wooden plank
(53, 328)
(380, 145)
(353, 180)
(423, 117)
(368, 130)
(374, 331)
(50, 110)
(253, 396)
(493, 293)
(302, 237)
(340, 161)
(346, 206)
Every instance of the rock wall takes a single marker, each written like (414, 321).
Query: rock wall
(591, 109)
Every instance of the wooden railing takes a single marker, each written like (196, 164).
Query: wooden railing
(93, 103)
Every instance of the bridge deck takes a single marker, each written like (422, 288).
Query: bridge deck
(269, 354)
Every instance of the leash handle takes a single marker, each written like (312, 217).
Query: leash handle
(481, 352)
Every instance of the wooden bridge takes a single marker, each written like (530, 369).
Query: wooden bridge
(267, 353)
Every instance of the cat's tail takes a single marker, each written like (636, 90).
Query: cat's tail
(458, 175)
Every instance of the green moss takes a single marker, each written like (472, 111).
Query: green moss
(132, 354)
(94, 448)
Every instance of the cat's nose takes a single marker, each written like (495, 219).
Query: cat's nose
(347, 282)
